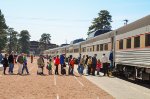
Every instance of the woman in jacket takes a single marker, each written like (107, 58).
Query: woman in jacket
(5, 63)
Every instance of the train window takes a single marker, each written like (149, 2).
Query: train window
(97, 48)
(67, 51)
(90, 49)
(137, 42)
(101, 47)
(84, 49)
(71, 51)
(106, 47)
(147, 40)
(128, 43)
(121, 44)
(93, 48)
(76, 50)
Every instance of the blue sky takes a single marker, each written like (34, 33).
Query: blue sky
(68, 19)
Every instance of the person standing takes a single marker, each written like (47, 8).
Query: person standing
(94, 64)
(49, 68)
(98, 66)
(72, 62)
(62, 61)
(41, 64)
(82, 64)
(25, 64)
(69, 59)
(86, 65)
(11, 63)
(57, 62)
(89, 64)
(1, 57)
(111, 61)
(20, 61)
(31, 58)
(79, 59)
(5, 63)
(104, 61)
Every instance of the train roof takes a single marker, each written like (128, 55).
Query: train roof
(134, 25)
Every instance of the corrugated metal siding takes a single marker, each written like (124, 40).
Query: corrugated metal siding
(140, 58)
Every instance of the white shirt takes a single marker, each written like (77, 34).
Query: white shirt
(104, 59)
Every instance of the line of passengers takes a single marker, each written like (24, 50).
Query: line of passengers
(90, 64)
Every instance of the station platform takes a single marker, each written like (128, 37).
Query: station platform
(119, 88)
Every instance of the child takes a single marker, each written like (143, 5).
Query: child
(49, 68)
(98, 66)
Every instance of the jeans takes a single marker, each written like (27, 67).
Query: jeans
(80, 69)
(25, 67)
(11, 66)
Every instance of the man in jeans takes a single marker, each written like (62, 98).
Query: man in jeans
(25, 64)
(11, 63)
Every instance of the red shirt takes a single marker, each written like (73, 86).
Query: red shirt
(72, 63)
(99, 65)
(57, 61)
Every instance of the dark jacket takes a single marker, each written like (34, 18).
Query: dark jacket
(5, 62)
(111, 56)
(94, 62)
(11, 59)
(20, 59)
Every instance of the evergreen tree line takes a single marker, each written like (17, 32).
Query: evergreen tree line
(11, 40)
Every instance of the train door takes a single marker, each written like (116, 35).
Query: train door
(113, 48)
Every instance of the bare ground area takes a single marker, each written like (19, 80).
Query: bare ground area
(34, 86)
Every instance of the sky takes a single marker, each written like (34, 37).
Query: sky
(67, 20)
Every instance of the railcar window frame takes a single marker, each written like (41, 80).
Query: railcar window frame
(137, 41)
(106, 46)
(147, 39)
(121, 44)
(97, 47)
(93, 48)
(128, 44)
(84, 49)
(76, 50)
(101, 47)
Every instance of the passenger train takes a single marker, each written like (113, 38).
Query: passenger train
(130, 45)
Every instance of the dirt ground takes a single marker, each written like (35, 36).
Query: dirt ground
(34, 86)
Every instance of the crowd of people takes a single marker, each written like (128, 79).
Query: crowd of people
(9, 60)
(88, 63)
